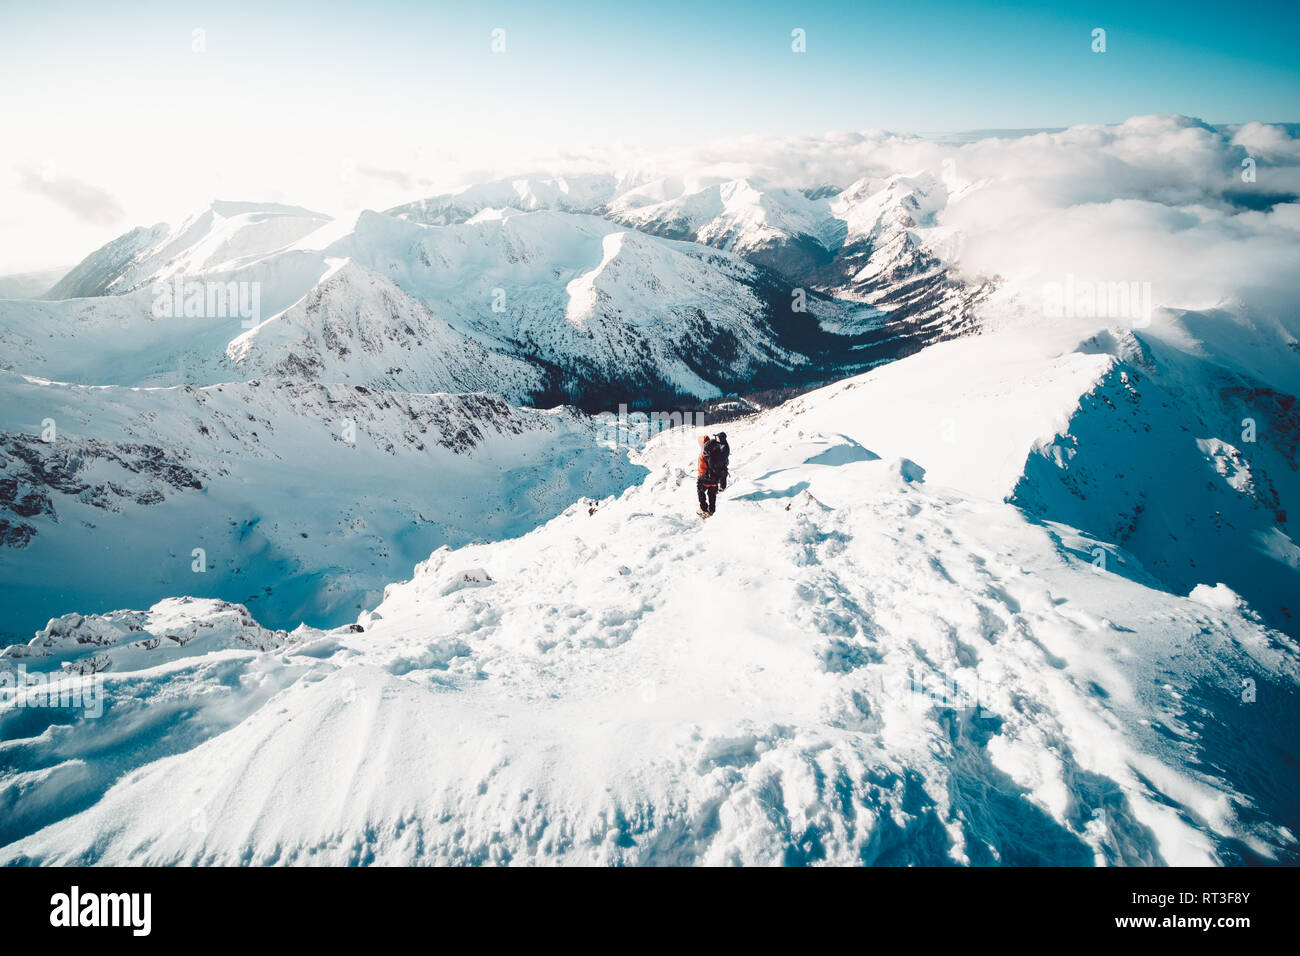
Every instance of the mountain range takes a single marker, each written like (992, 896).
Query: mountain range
(991, 582)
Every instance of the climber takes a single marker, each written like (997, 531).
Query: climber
(712, 471)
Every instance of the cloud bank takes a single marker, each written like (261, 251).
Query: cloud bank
(1206, 215)
(87, 202)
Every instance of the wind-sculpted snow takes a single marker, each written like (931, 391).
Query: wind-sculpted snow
(117, 673)
(1134, 437)
(848, 664)
(138, 640)
(1156, 458)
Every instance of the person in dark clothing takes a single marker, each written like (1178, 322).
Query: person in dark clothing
(711, 474)
(724, 452)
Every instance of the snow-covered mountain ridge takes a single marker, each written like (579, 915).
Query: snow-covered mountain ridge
(550, 305)
(850, 663)
(1016, 587)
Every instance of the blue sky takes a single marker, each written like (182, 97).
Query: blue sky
(118, 99)
(717, 67)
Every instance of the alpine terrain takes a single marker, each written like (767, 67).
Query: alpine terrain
(368, 540)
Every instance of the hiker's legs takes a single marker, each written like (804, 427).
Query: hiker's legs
(708, 495)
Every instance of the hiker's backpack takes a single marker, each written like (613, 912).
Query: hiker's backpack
(715, 459)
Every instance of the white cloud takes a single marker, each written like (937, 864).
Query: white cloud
(1157, 198)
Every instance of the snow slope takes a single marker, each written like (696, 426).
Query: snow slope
(876, 241)
(295, 519)
(779, 228)
(1134, 436)
(356, 326)
(220, 238)
(850, 663)
(604, 304)
(386, 323)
